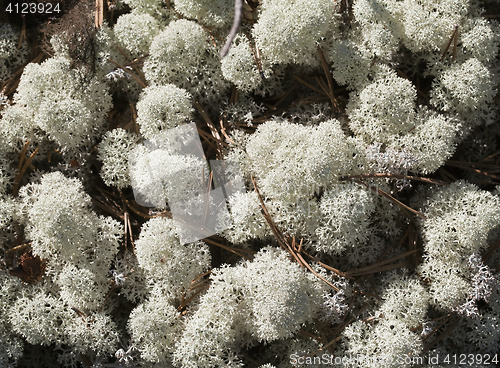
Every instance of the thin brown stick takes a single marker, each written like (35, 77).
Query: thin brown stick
(323, 86)
(447, 176)
(238, 11)
(23, 33)
(341, 327)
(256, 54)
(126, 223)
(280, 237)
(100, 10)
(201, 276)
(312, 100)
(207, 138)
(283, 240)
(455, 40)
(206, 197)
(131, 234)
(185, 302)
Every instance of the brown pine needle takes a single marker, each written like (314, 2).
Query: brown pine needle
(396, 176)
(300, 80)
(454, 35)
(286, 95)
(375, 267)
(317, 274)
(284, 240)
(23, 33)
(206, 197)
(207, 138)
(455, 40)
(135, 209)
(22, 155)
(185, 302)
(134, 63)
(201, 276)
(238, 252)
(471, 166)
(107, 208)
(443, 335)
(446, 175)
(328, 75)
(213, 129)
(323, 86)
(325, 266)
(137, 79)
(391, 198)
(20, 174)
(223, 131)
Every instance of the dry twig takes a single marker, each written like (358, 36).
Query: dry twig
(238, 9)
